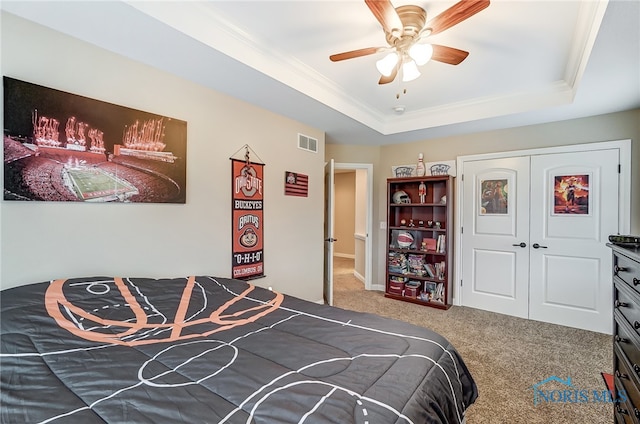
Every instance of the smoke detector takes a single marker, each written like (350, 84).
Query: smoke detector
(399, 109)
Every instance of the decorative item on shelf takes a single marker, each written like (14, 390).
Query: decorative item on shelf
(429, 243)
(398, 263)
(400, 197)
(423, 246)
(416, 264)
(396, 285)
(438, 225)
(411, 224)
(422, 192)
(405, 239)
(441, 168)
(443, 200)
(430, 223)
(625, 240)
(411, 288)
(403, 222)
(429, 291)
(420, 168)
(421, 223)
(403, 171)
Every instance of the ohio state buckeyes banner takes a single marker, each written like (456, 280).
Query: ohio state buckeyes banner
(247, 226)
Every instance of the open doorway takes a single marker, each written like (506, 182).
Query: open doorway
(352, 226)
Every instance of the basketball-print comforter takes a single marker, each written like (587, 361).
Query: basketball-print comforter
(214, 350)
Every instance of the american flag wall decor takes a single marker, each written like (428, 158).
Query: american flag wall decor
(296, 184)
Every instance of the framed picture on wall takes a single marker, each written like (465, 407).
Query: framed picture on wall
(494, 197)
(62, 147)
(571, 194)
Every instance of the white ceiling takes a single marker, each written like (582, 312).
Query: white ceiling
(530, 61)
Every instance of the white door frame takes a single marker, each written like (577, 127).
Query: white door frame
(369, 219)
(329, 215)
(624, 216)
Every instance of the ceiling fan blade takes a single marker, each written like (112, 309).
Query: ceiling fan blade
(386, 14)
(391, 77)
(355, 53)
(449, 55)
(456, 14)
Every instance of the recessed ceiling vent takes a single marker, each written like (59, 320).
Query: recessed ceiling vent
(307, 143)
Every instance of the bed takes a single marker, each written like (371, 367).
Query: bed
(215, 350)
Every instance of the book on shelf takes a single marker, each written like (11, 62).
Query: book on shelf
(430, 269)
(416, 264)
(398, 263)
(441, 244)
(439, 294)
(440, 270)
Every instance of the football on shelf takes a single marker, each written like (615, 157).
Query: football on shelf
(405, 239)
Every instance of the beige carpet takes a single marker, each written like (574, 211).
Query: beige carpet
(506, 356)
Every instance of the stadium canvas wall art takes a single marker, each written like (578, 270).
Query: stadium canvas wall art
(64, 147)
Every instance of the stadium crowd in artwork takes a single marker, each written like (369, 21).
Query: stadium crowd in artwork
(80, 161)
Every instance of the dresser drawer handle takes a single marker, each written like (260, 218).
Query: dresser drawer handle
(617, 269)
(621, 375)
(636, 281)
(621, 411)
(621, 339)
(636, 412)
(636, 324)
(636, 368)
(621, 304)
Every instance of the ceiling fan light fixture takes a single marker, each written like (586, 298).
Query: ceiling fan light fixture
(421, 53)
(410, 71)
(387, 64)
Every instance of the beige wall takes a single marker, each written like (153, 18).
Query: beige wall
(360, 262)
(615, 126)
(39, 241)
(345, 210)
(46, 240)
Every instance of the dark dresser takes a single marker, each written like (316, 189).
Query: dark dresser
(626, 332)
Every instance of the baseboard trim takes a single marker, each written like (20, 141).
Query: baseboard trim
(358, 275)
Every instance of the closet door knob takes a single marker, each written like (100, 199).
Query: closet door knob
(538, 246)
(522, 244)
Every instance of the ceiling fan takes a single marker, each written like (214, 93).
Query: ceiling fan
(406, 28)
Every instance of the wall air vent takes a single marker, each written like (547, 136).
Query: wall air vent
(307, 143)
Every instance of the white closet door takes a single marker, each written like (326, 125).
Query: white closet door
(574, 208)
(495, 248)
